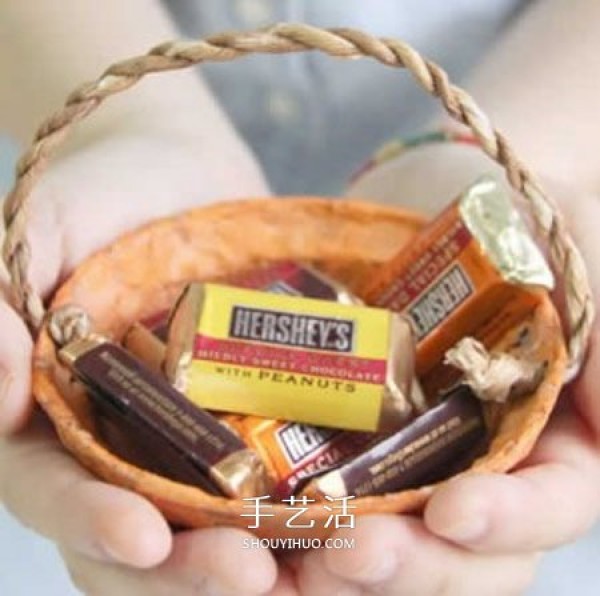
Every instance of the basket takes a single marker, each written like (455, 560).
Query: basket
(344, 237)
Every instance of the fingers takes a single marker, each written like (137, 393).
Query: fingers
(397, 555)
(317, 579)
(210, 561)
(48, 491)
(584, 390)
(552, 500)
(15, 365)
(285, 584)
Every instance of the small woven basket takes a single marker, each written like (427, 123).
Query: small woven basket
(346, 238)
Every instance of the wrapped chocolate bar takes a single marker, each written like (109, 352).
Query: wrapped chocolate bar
(292, 358)
(424, 451)
(281, 277)
(292, 452)
(164, 424)
(294, 279)
(471, 271)
(289, 450)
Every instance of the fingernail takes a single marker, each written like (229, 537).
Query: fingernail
(468, 529)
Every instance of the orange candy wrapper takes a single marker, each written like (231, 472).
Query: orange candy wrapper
(473, 271)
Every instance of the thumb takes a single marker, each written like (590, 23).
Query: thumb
(16, 401)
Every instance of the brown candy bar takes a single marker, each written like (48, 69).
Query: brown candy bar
(422, 452)
(162, 422)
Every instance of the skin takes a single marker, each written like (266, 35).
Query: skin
(477, 532)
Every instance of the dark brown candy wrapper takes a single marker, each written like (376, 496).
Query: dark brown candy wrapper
(158, 420)
(294, 279)
(424, 451)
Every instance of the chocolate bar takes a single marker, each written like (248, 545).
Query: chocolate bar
(163, 422)
(471, 272)
(282, 277)
(292, 452)
(424, 451)
(292, 358)
(294, 279)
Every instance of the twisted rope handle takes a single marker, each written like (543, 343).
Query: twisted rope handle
(283, 38)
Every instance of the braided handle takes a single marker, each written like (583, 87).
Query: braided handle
(282, 38)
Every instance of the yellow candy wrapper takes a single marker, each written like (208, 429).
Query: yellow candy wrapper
(292, 358)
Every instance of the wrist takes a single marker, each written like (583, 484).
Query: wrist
(425, 176)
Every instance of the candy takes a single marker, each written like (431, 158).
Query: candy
(294, 279)
(145, 345)
(180, 437)
(292, 452)
(292, 358)
(282, 277)
(424, 451)
(471, 271)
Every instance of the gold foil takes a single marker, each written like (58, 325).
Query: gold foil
(144, 344)
(72, 351)
(400, 381)
(182, 331)
(492, 218)
(343, 295)
(243, 475)
(331, 484)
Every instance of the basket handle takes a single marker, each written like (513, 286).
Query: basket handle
(283, 38)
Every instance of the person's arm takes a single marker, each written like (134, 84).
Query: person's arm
(164, 143)
(541, 86)
(49, 48)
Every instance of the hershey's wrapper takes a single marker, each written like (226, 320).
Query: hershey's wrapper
(470, 272)
(293, 452)
(155, 414)
(424, 451)
(292, 358)
(282, 277)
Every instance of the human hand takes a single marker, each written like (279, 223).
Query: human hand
(480, 534)
(113, 541)
(483, 533)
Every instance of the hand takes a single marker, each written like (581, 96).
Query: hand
(113, 541)
(483, 533)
